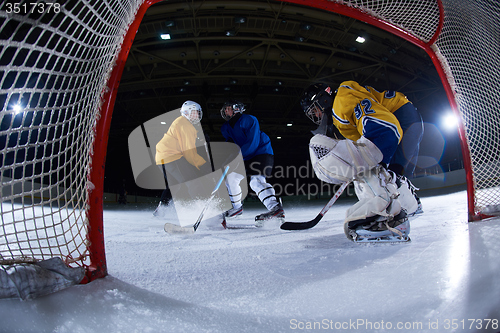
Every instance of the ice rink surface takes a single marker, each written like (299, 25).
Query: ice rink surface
(447, 279)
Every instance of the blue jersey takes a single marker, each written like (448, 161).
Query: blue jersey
(246, 133)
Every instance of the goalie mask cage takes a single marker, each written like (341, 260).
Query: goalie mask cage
(59, 74)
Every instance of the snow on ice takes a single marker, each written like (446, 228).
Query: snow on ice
(270, 280)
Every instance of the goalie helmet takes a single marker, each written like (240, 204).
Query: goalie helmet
(317, 100)
(230, 108)
(192, 112)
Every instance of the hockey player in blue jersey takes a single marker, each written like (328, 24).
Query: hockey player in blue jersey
(255, 145)
(383, 131)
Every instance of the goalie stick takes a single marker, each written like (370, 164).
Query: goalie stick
(177, 229)
(313, 222)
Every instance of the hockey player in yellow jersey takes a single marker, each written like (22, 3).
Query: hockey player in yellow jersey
(177, 153)
(179, 143)
(383, 131)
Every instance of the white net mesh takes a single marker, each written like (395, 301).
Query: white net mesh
(469, 42)
(419, 18)
(54, 67)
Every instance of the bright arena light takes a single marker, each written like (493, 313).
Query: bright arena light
(450, 121)
(17, 108)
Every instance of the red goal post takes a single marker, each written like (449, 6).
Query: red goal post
(63, 71)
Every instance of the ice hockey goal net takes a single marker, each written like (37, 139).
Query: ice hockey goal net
(59, 71)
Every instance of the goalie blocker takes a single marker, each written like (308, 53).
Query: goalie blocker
(379, 215)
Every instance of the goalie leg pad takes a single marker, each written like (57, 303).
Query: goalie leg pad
(378, 196)
(337, 161)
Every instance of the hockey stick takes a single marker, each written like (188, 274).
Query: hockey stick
(313, 222)
(177, 229)
(208, 149)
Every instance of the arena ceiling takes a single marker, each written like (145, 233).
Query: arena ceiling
(264, 53)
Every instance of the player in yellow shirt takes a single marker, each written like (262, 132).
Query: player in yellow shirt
(177, 152)
(383, 132)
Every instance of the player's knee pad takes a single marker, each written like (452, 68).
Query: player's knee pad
(233, 180)
(337, 161)
(265, 191)
(257, 183)
(377, 193)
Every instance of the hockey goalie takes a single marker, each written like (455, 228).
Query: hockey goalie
(372, 154)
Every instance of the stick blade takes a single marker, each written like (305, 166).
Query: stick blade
(301, 225)
(312, 223)
(175, 229)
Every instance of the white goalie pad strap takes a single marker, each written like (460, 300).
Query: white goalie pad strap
(233, 180)
(337, 161)
(367, 208)
(407, 198)
(264, 191)
(369, 152)
(376, 182)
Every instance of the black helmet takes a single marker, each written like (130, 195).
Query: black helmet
(318, 97)
(237, 107)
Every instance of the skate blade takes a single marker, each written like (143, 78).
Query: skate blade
(385, 239)
(418, 212)
(367, 236)
(241, 226)
(227, 224)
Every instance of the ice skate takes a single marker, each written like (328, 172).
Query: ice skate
(233, 212)
(378, 216)
(379, 229)
(275, 213)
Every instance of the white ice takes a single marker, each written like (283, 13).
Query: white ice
(269, 280)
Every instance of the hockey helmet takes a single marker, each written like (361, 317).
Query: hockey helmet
(192, 111)
(317, 100)
(235, 106)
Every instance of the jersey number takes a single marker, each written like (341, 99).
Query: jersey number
(365, 105)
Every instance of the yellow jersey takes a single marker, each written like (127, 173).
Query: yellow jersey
(354, 102)
(178, 142)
